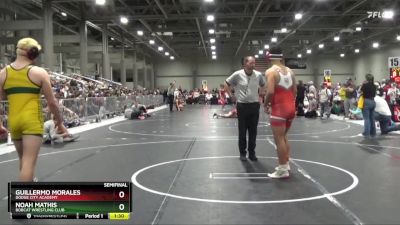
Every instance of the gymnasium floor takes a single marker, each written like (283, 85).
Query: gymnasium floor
(186, 170)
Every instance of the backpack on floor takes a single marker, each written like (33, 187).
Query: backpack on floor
(311, 114)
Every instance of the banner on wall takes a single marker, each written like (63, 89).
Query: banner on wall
(394, 68)
(328, 77)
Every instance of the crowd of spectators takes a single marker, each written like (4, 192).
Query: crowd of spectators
(83, 99)
(344, 99)
(341, 98)
(196, 96)
(75, 86)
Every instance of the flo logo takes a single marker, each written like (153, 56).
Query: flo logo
(374, 14)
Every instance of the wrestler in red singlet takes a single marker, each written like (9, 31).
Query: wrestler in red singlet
(283, 100)
(280, 98)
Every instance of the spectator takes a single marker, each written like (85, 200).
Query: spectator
(312, 89)
(312, 107)
(50, 134)
(300, 98)
(383, 115)
(393, 94)
(350, 94)
(137, 111)
(209, 96)
(324, 100)
(179, 102)
(368, 90)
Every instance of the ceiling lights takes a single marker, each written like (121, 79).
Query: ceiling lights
(140, 32)
(358, 29)
(298, 16)
(284, 30)
(100, 2)
(274, 39)
(256, 56)
(357, 50)
(266, 46)
(210, 18)
(166, 53)
(152, 42)
(211, 32)
(124, 20)
(321, 46)
(342, 55)
(171, 57)
(336, 38)
(260, 52)
(299, 56)
(160, 48)
(64, 14)
(398, 37)
(309, 51)
(388, 14)
(375, 45)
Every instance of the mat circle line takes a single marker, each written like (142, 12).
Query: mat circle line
(111, 128)
(137, 184)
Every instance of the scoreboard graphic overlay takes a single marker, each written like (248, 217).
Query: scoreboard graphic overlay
(70, 200)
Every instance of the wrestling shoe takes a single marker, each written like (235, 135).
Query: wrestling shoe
(279, 173)
(287, 167)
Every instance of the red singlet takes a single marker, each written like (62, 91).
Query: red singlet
(283, 102)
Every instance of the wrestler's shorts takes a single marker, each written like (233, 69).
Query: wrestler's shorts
(282, 115)
(25, 124)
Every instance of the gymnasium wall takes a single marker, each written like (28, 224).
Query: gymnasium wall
(375, 62)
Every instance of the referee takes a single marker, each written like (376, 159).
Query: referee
(246, 83)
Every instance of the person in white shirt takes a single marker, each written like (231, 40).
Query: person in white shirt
(196, 95)
(312, 107)
(383, 115)
(50, 134)
(393, 93)
(179, 102)
(324, 100)
(208, 98)
(312, 89)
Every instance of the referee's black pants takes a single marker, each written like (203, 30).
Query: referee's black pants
(248, 114)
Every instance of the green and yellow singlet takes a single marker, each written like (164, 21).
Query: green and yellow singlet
(24, 103)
